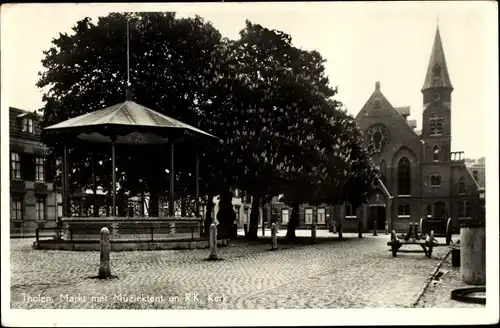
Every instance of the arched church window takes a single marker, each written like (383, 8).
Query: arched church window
(435, 154)
(377, 137)
(404, 176)
(461, 185)
(436, 124)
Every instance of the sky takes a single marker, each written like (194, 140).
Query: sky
(362, 42)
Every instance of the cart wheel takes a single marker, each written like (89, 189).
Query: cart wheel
(448, 231)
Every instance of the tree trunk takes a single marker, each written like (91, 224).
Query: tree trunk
(254, 219)
(226, 215)
(208, 215)
(293, 222)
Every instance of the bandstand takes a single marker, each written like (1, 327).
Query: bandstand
(126, 123)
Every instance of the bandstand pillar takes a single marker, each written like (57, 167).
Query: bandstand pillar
(65, 182)
(171, 204)
(113, 174)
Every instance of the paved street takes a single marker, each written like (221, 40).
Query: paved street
(352, 273)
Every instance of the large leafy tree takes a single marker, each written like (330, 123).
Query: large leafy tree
(171, 69)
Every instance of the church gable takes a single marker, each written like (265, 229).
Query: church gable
(384, 128)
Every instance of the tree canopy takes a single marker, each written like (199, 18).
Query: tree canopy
(269, 102)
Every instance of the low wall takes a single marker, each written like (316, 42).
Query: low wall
(89, 227)
(125, 245)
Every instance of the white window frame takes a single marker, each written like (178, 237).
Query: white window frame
(321, 214)
(41, 213)
(39, 167)
(15, 165)
(28, 125)
(285, 213)
(308, 215)
(16, 206)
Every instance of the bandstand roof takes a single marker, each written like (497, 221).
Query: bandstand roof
(130, 122)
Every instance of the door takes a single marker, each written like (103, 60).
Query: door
(376, 213)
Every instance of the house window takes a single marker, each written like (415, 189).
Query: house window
(436, 124)
(309, 215)
(435, 181)
(350, 212)
(28, 125)
(464, 209)
(39, 169)
(404, 211)
(377, 104)
(16, 209)
(16, 166)
(40, 209)
(321, 215)
(284, 216)
(404, 176)
(461, 185)
(435, 154)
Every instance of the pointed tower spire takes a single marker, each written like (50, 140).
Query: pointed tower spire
(437, 71)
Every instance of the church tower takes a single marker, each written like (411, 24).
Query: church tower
(436, 121)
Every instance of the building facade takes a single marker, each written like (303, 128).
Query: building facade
(420, 176)
(33, 200)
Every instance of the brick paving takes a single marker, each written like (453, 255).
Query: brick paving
(353, 273)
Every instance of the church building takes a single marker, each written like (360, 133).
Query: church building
(420, 176)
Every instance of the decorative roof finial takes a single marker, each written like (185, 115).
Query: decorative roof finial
(377, 86)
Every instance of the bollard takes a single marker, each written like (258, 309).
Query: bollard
(340, 231)
(375, 228)
(334, 227)
(274, 236)
(360, 229)
(104, 268)
(473, 254)
(313, 233)
(386, 227)
(213, 242)
(245, 229)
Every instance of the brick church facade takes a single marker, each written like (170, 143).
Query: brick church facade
(420, 176)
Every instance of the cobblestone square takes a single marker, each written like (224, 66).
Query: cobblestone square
(353, 273)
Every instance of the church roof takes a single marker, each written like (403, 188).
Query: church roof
(437, 71)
